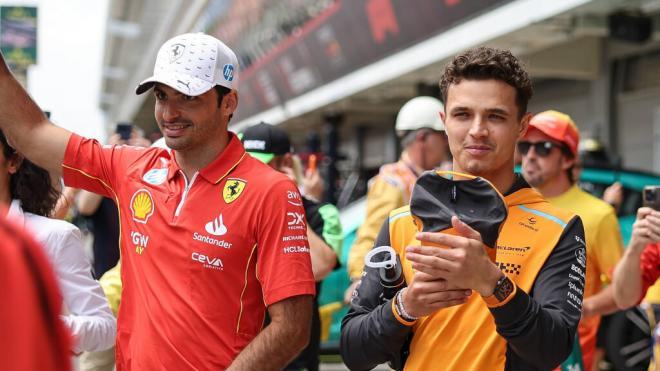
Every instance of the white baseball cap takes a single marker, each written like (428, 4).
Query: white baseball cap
(193, 63)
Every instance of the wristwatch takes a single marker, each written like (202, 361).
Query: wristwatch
(504, 288)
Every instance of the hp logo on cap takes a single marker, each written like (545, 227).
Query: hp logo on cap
(228, 72)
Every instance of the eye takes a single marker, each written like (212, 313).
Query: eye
(159, 95)
(188, 98)
(496, 117)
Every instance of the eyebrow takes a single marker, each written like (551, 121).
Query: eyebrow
(498, 111)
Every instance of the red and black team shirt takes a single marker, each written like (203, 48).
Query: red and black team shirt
(201, 258)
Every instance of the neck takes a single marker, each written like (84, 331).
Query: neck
(502, 179)
(192, 160)
(5, 196)
(415, 159)
(556, 187)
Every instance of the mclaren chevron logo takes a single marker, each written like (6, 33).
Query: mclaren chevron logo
(216, 227)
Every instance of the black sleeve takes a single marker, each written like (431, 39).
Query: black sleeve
(540, 328)
(370, 334)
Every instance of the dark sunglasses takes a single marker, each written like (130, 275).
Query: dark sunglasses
(542, 149)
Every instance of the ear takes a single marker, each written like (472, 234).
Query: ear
(287, 160)
(567, 162)
(230, 102)
(442, 115)
(421, 135)
(14, 163)
(524, 125)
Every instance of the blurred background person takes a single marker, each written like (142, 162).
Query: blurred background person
(33, 336)
(26, 189)
(549, 156)
(640, 266)
(272, 146)
(425, 147)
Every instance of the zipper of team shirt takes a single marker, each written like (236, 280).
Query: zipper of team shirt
(185, 191)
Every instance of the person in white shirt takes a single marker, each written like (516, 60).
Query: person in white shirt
(27, 190)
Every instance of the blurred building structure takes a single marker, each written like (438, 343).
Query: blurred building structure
(342, 69)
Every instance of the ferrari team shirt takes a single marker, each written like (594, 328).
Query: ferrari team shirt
(201, 258)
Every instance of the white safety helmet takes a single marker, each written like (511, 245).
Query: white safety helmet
(418, 113)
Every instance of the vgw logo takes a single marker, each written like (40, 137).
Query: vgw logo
(140, 241)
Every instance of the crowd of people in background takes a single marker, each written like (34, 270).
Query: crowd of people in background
(208, 248)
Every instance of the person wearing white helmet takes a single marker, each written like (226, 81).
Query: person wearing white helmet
(424, 144)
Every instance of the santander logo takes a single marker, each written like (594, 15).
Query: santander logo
(216, 227)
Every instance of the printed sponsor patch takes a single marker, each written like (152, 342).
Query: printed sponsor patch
(142, 206)
(233, 189)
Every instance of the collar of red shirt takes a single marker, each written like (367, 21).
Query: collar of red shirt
(219, 168)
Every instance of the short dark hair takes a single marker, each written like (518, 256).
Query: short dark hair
(222, 91)
(484, 63)
(31, 184)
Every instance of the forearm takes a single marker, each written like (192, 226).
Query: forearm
(19, 113)
(541, 327)
(628, 279)
(92, 333)
(601, 304)
(279, 342)
(322, 255)
(370, 334)
(26, 126)
(88, 202)
(532, 331)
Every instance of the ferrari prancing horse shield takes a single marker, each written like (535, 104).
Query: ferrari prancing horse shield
(233, 189)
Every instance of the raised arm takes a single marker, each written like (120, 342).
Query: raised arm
(27, 128)
(628, 275)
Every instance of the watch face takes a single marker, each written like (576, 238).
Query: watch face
(503, 289)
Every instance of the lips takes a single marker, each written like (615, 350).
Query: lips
(478, 149)
(174, 130)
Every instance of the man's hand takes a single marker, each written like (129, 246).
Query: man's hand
(613, 195)
(348, 294)
(313, 185)
(427, 294)
(463, 264)
(646, 229)
(627, 274)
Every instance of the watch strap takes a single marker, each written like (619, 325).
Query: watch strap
(505, 290)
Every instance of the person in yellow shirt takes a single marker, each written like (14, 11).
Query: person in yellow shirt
(425, 147)
(549, 151)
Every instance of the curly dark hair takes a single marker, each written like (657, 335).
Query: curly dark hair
(484, 63)
(31, 184)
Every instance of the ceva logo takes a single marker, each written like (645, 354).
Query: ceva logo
(209, 262)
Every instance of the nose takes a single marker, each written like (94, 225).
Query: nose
(531, 153)
(170, 112)
(478, 129)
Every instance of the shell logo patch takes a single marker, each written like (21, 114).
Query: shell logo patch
(233, 189)
(142, 206)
